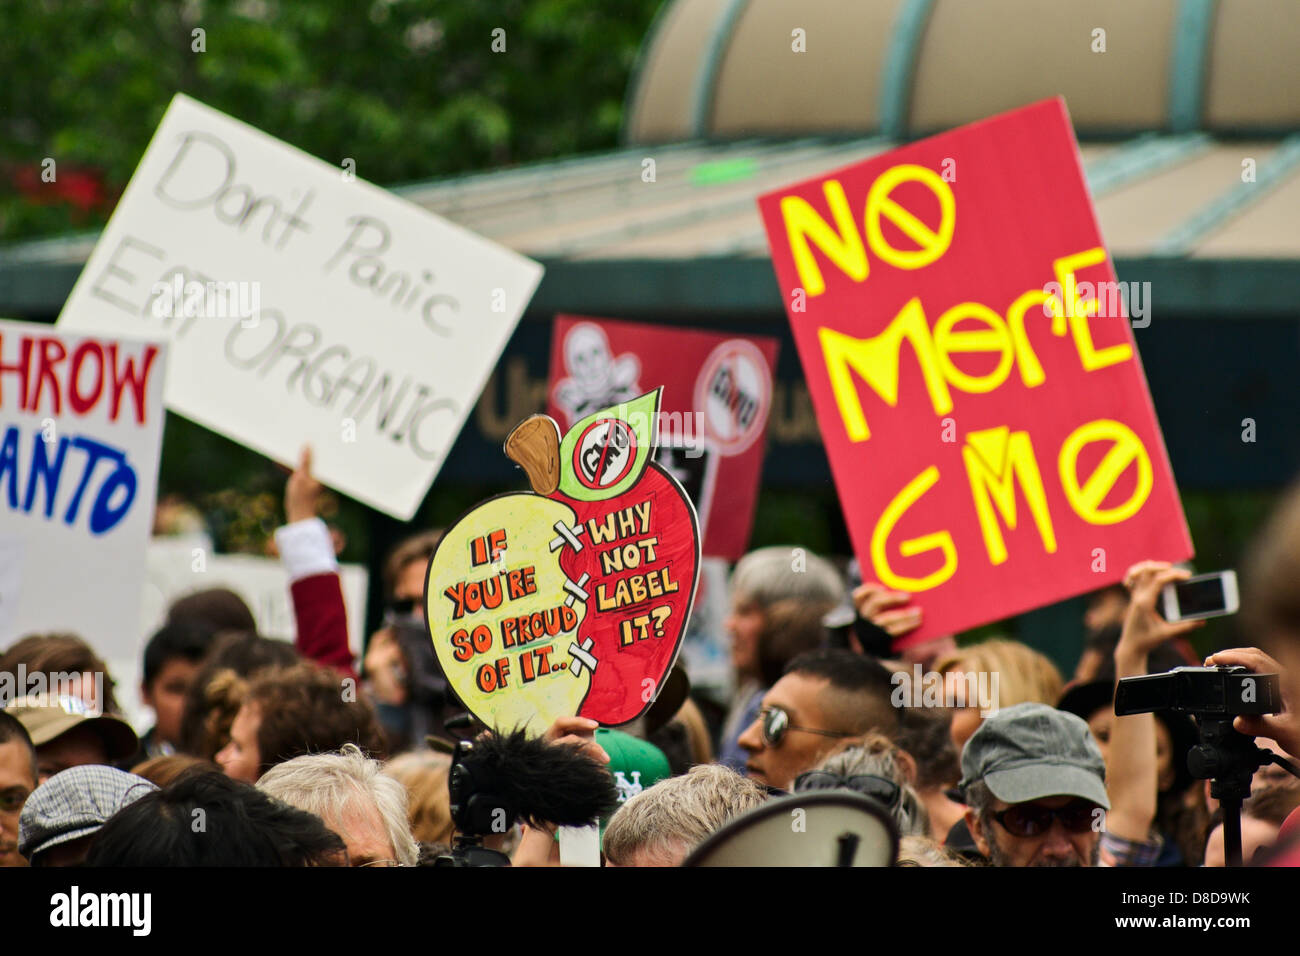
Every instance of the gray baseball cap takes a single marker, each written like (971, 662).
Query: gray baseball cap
(1031, 751)
(74, 803)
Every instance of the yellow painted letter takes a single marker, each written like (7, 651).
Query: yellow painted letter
(996, 459)
(842, 245)
(940, 540)
(1031, 370)
(933, 244)
(876, 361)
(992, 339)
(1078, 311)
(1127, 449)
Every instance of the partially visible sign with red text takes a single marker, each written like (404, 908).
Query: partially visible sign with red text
(984, 408)
(81, 423)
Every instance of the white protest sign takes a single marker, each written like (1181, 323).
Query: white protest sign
(176, 567)
(302, 304)
(81, 421)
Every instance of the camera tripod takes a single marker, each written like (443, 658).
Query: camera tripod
(1229, 759)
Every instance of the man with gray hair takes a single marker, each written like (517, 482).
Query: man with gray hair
(660, 826)
(350, 794)
(1035, 786)
(794, 578)
(875, 768)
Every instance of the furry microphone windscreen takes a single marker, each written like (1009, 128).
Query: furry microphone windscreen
(541, 782)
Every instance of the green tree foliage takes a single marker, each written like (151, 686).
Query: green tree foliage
(408, 89)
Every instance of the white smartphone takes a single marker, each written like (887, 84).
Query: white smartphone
(1206, 595)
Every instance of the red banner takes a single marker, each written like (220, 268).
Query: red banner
(713, 417)
(978, 387)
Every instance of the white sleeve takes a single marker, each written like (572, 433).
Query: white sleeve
(306, 548)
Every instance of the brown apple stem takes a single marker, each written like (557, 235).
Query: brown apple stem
(535, 446)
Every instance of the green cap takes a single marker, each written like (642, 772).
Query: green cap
(635, 763)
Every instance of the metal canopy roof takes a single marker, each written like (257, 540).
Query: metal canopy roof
(1173, 208)
(1156, 196)
(907, 68)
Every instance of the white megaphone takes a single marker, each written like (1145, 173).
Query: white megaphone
(822, 828)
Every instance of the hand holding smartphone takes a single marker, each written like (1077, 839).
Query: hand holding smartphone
(1200, 597)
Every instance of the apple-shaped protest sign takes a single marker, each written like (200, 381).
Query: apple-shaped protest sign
(572, 599)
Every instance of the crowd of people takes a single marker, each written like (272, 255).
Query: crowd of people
(275, 754)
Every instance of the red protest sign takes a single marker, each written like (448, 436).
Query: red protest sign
(980, 394)
(717, 393)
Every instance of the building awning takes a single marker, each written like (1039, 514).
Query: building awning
(675, 229)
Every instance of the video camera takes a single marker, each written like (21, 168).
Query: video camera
(1200, 691)
(1214, 696)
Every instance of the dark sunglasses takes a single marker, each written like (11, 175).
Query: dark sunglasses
(1030, 819)
(869, 785)
(401, 607)
(775, 723)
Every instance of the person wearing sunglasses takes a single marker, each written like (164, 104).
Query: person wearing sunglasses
(875, 768)
(1035, 786)
(825, 697)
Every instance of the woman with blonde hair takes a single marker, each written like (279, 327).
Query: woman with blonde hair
(983, 678)
(428, 806)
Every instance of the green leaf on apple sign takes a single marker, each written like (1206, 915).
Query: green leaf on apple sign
(604, 454)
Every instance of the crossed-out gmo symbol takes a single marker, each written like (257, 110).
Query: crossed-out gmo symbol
(733, 391)
(604, 453)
